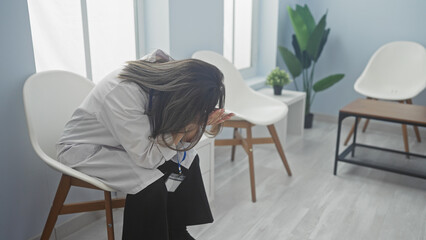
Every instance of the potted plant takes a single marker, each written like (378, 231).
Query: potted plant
(277, 79)
(308, 41)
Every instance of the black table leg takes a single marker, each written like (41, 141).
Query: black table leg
(339, 126)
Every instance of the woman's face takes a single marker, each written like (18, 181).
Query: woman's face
(190, 132)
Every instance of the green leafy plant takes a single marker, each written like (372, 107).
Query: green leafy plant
(278, 77)
(308, 42)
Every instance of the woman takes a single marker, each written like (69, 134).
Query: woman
(135, 132)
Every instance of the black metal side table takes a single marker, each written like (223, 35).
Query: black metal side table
(383, 111)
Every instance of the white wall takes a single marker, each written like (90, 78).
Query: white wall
(358, 29)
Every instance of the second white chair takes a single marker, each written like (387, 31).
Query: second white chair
(250, 108)
(395, 72)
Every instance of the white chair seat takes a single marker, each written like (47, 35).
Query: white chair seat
(259, 110)
(74, 173)
(388, 92)
(396, 71)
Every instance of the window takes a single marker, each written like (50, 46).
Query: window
(239, 29)
(88, 37)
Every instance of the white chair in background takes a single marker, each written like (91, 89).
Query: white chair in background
(50, 98)
(250, 108)
(395, 72)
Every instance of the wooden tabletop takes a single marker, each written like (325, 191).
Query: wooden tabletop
(392, 111)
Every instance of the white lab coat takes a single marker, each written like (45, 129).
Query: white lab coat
(108, 137)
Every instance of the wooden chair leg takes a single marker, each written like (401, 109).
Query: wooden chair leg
(365, 125)
(233, 146)
(61, 194)
(349, 135)
(416, 129)
(251, 164)
(405, 136)
(277, 142)
(109, 218)
(351, 132)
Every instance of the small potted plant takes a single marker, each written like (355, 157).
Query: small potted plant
(277, 79)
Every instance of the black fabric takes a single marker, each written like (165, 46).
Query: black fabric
(154, 213)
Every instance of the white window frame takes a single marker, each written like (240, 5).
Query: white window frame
(138, 7)
(252, 70)
(139, 33)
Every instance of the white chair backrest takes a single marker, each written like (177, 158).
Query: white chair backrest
(240, 98)
(396, 66)
(50, 98)
(236, 89)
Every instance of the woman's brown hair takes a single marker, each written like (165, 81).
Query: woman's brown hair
(183, 92)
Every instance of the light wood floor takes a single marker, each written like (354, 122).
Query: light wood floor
(358, 203)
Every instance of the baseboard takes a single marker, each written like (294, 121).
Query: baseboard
(73, 225)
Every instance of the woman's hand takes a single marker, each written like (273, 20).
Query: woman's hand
(190, 132)
(218, 116)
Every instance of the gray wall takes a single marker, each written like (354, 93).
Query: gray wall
(22, 185)
(358, 29)
(157, 33)
(195, 25)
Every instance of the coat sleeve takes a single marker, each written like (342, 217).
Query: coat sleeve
(123, 114)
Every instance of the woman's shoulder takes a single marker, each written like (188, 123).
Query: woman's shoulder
(113, 83)
(114, 89)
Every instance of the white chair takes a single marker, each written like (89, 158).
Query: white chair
(50, 98)
(250, 108)
(396, 72)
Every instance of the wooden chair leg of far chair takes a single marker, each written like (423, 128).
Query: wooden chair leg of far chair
(416, 129)
(353, 127)
(61, 194)
(351, 132)
(405, 136)
(233, 146)
(248, 146)
(366, 120)
(277, 142)
(365, 125)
